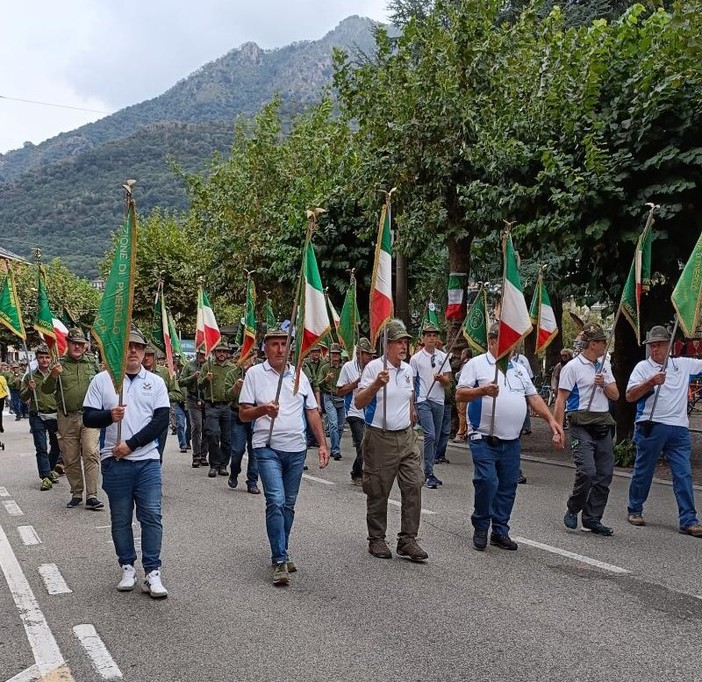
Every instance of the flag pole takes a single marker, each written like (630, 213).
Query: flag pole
(29, 371)
(332, 324)
(311, 226)
(388, 203)
(505, 235)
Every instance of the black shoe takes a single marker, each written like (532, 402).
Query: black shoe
(570, 520)
(305, 467)
(598, 529)
(223, 471)
(253, 489)
(212, 473)
(442, 460)
(94, 504)
(184, 449)
(522, 479)
(503, 541)
(336, 457)
(431, 482)
(480, 540)
(75, 502)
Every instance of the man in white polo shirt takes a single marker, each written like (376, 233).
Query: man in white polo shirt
(280, 460)
(494, 442)
(665, 430)
(347, 386)
(390, 447)
(131, 470)
(585, 387)
(425, 364)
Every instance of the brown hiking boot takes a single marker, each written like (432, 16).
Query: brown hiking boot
(411, 550)
(636, 520)
(695, 530)
(379, 548)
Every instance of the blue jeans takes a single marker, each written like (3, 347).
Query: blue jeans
(128, 483)
(46, 459)
(335, 421)
(674, 442)
(281, 473)
(495, 476)
(445, 433)
(181, 423)
(431, 417)
(241, 442)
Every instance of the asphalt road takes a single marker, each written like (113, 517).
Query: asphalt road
(566, 606)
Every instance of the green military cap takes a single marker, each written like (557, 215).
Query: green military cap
(150, 349)
(76, 335)
(335, 348)
(42, 348)
(364, 346)
(656, 334)
(135, 336)
(396, 330)
(278, 332)
(429, 328)
(593, 332)
(222, 345)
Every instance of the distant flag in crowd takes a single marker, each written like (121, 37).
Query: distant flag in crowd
(10, 312)
(160, 331)
(687, 295)
(249, 331)
(45, 322)
(381, 307)
(430, 315)
(207, 334)
(456, 287)
(68, 318)
(542, 316)
(475, 326)
(349, 319)
(514, 322)
(312, 316)
(114, 318)
(268, 314)
(175, 339)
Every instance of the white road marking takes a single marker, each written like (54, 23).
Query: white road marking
(399, 504)
(12, 508)
(571, 555)
(4, 493)
(29, 675)
(47, 655)
(96, 649)
(28, 535)
(318, 480)
(55, 584)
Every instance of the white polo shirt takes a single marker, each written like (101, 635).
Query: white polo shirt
(350, 371)
(425, 365)
(260, 385)
(524, 362)
(400, 389)
(578, 377)
(510, 405)
(142, 396)
(671, 407)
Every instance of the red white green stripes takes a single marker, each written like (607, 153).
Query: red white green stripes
(381, 284)
(207, 334)
(542, 316)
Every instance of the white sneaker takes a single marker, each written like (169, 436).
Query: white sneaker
(153, 586)
(128, 578)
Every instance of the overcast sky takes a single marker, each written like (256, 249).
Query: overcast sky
(105, 54)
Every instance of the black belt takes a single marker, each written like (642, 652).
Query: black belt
(381, 430)
(216, 402)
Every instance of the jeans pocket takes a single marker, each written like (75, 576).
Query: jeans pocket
(106, 464)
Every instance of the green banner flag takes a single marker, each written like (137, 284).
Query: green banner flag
(687, 295)
(249, 331)
(430, 316)
(475, 326)
(639, 280)
(157, 323)
(44, 322)
(268, 314)
(114, 317)
(10, 313)
(68, 318)
(349, 319)
(175, 339)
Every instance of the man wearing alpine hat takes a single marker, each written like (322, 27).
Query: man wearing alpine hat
(664, 429)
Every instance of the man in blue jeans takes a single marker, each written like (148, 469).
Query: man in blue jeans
(280, 452)
(334, 408)
(42, 419)
(131, 471)
(494, 443)
(663, 430)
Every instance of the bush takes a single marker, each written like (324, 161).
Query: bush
(624, 453)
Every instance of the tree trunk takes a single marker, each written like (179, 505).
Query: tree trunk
(401, 298)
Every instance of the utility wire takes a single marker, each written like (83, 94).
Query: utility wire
(50, 104)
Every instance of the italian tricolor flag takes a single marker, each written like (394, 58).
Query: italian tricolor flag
(249, 323)
(542, 316)
(381, 283)
(515, 322)
(455, 296)
(207, 333)
(313, 318)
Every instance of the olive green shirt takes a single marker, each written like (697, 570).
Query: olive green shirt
(188, 381)
(233, 375)
(311, 370)
(44, 404)
(175, 395)
(328, 386)
(75, 378)
(215, 391)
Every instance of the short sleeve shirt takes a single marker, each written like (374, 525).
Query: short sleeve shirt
(425, 365)
(399, 392)
(671, 406)
(510, 405)
(289, 428)
(578, 377)
(142, 396)
(349, 373)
